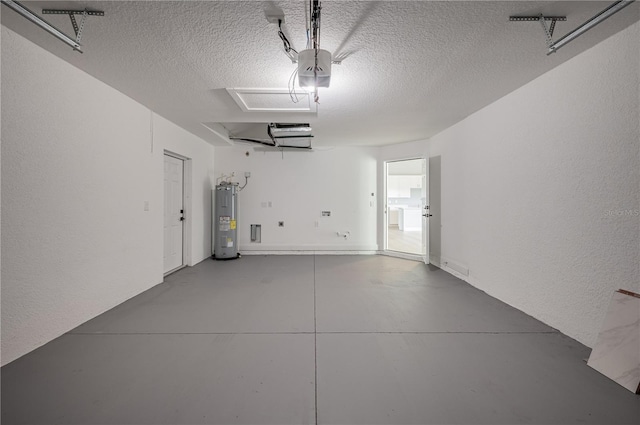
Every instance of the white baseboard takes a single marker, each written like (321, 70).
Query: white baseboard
(311, 248)
(452, 267)
(455, 273)
(309, 252)
(403, 255)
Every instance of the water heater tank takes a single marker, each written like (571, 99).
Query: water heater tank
(225, 225)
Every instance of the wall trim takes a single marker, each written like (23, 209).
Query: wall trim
(309, 252)
(403, 255)
(276, 248)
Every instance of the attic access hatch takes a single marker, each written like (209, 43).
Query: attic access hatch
(283, 136)
(271, 100)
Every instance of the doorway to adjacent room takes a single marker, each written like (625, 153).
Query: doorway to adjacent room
(407, 207)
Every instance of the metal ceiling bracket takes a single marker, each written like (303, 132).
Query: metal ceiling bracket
(37, 20)
(76, 28)
(72, 12)
(548, 31)
(74, 23)
(79, 30)
(586, 26)
(551, 27)
(536, 18)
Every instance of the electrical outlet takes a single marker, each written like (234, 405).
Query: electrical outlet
(274, 17)
(247, 174)
(281, 224)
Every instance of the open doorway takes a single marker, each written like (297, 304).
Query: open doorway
(406, 207)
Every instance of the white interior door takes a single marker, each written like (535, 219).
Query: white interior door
(426, 213)
(173, 212)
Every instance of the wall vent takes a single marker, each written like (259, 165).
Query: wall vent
(256, 233)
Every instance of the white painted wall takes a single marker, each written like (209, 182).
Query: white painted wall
(528, 185)
(78, 161)
(299, 186)
(0, 198)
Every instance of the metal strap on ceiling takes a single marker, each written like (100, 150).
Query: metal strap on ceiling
(542, 19)
(586, 26)
(77, 29)
(33, 17)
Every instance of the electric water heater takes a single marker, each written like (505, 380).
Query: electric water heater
(225, 225)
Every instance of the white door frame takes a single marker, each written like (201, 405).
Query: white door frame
(187, 224)
(424, 257)
(426, 211)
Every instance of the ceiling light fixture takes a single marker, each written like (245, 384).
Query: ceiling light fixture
(314, 69)
(314, 63)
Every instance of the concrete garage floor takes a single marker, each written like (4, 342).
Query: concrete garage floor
(264, 340)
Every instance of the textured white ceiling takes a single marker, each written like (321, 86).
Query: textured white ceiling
(411, 68)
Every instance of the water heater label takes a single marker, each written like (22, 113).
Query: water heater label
(229, 243)
(225, 223)
(232, 225)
